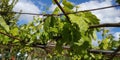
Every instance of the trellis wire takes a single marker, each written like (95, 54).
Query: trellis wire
(2, 12)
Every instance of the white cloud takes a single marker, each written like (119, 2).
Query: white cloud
(110, 15)
(95, 42)
(27, 7)
(117, 36)
(53, 6)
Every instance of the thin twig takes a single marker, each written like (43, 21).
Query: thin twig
(104, 52)
(9, 36)
(114, 53)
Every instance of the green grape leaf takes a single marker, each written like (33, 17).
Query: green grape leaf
(105, 31)
(47, 23)
(3, 24)
(6, 40)
(94, 35)
(67, 10)
(66, 33)
(81, 23)
(75, 32)
(56, 11)
(68, 4)
(14, 31)
(54, 30)
(30, 42)
(104, 43)
(59, 46)
(118, 1)
(15, 41)
(54, 1)
(53, 21)
(90, 18)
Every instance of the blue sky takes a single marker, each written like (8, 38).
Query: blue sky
(111, 15)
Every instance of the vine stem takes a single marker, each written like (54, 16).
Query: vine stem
(114, 53)
(9, 35)
(62, 11)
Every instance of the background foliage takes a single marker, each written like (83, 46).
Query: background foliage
(51, 30)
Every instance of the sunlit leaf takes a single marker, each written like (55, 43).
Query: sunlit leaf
(3, 24)
(56, 11)
(14, 31)
(78, 20)
(68, 4)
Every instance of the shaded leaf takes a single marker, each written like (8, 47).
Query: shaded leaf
(118, 1)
